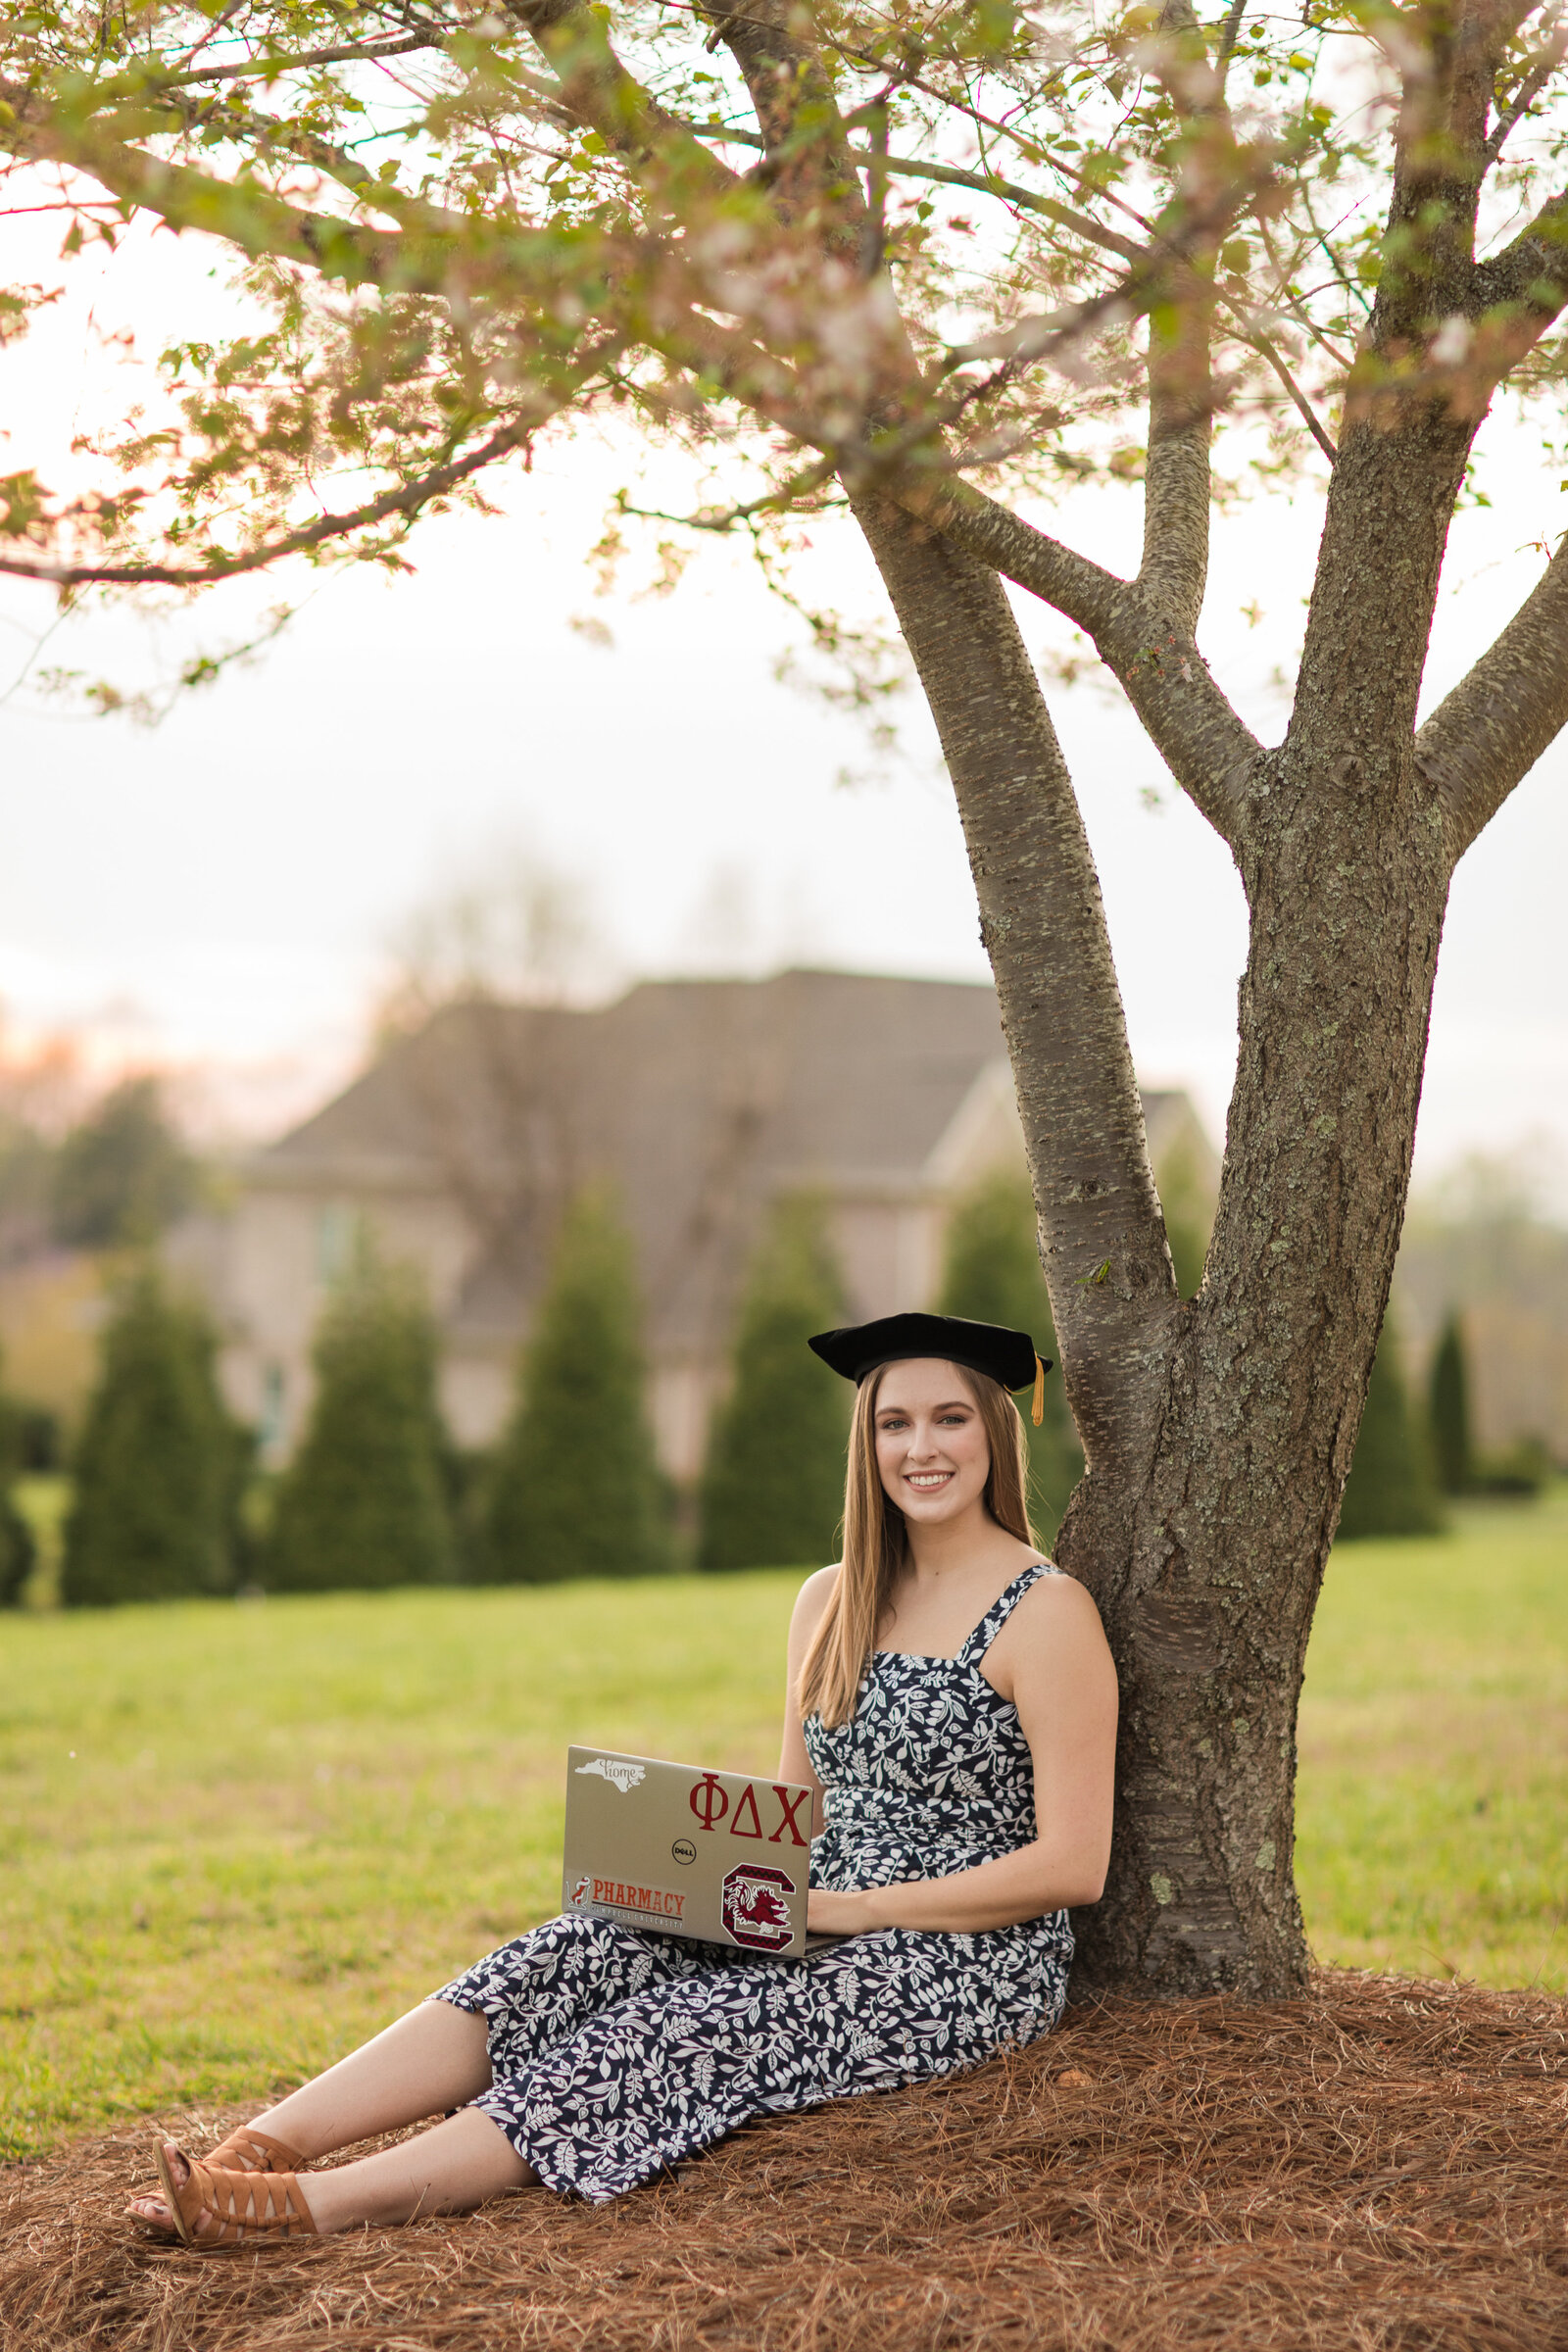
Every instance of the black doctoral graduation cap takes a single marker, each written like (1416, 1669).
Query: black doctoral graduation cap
(1009, 1357)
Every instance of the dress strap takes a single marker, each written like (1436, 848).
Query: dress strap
(1001, 1609)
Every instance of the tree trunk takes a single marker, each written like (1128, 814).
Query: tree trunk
(1217, 1433)
(1209, 1602)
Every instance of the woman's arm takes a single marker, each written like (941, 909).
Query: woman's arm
(1057, 1672)
(794, 1764)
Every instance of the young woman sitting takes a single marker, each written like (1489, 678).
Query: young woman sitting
(952, 1705)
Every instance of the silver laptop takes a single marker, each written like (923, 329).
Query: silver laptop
(722, 1856)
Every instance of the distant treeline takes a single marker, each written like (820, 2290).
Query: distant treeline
(169, 1497)
(117, 1178)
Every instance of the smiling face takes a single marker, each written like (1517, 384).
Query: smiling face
(932, 1452)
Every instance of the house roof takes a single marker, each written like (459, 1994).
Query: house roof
(698, 1100)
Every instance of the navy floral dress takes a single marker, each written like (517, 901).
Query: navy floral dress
(616, 2052)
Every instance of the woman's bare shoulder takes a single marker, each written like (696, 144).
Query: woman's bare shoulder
(1055, 1604)
(1052, 1650)
(814, 1597)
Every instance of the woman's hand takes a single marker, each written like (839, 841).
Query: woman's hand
(843, 1914)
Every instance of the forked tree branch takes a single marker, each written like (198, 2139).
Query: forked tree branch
(1207, 747)
(600, 94)
(808, 169)
(1485, 736)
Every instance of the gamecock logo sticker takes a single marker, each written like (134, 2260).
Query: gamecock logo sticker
(756, 1909)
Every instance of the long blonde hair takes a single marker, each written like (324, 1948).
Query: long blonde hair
(875, 1547)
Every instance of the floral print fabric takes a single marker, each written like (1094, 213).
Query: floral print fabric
(615, 2052)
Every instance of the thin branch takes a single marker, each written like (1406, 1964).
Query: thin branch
(218, 23)
(1488, 734)
(1178, 482)
(1529, 90)
(1257, 341)
(874, 235)
(405, 501)
(340, 163)
(189, 198)
(152, 83)
(719, 519)
(1032, 150)
(1147, 279)
(1346, 282)
(1007, 191)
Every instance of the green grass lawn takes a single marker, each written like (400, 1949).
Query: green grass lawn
(1431, 1825)
(238, 1836)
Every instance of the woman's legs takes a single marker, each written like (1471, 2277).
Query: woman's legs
(528, 1997)
(458, 2165)
(431, 2060)
(451, 2169)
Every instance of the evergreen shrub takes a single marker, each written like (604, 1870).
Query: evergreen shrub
(1450, 1408)
(159, 1464)
(1391, 1490)
(362, 1506)
(123, 1174)
(991, 1273)
(18, 1555)
(18, 1551)
(772, 1488)
(575, 1489)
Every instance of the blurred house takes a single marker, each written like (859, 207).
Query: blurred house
(698, 1101)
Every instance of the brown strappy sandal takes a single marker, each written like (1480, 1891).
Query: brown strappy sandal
(249, 2152)
(250, 2208)
(244, 2151)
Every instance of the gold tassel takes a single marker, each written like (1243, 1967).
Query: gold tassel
(1038, 1411)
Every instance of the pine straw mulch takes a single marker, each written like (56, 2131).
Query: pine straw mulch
(1383, 2165)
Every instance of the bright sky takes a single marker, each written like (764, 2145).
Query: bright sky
(216, 893)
